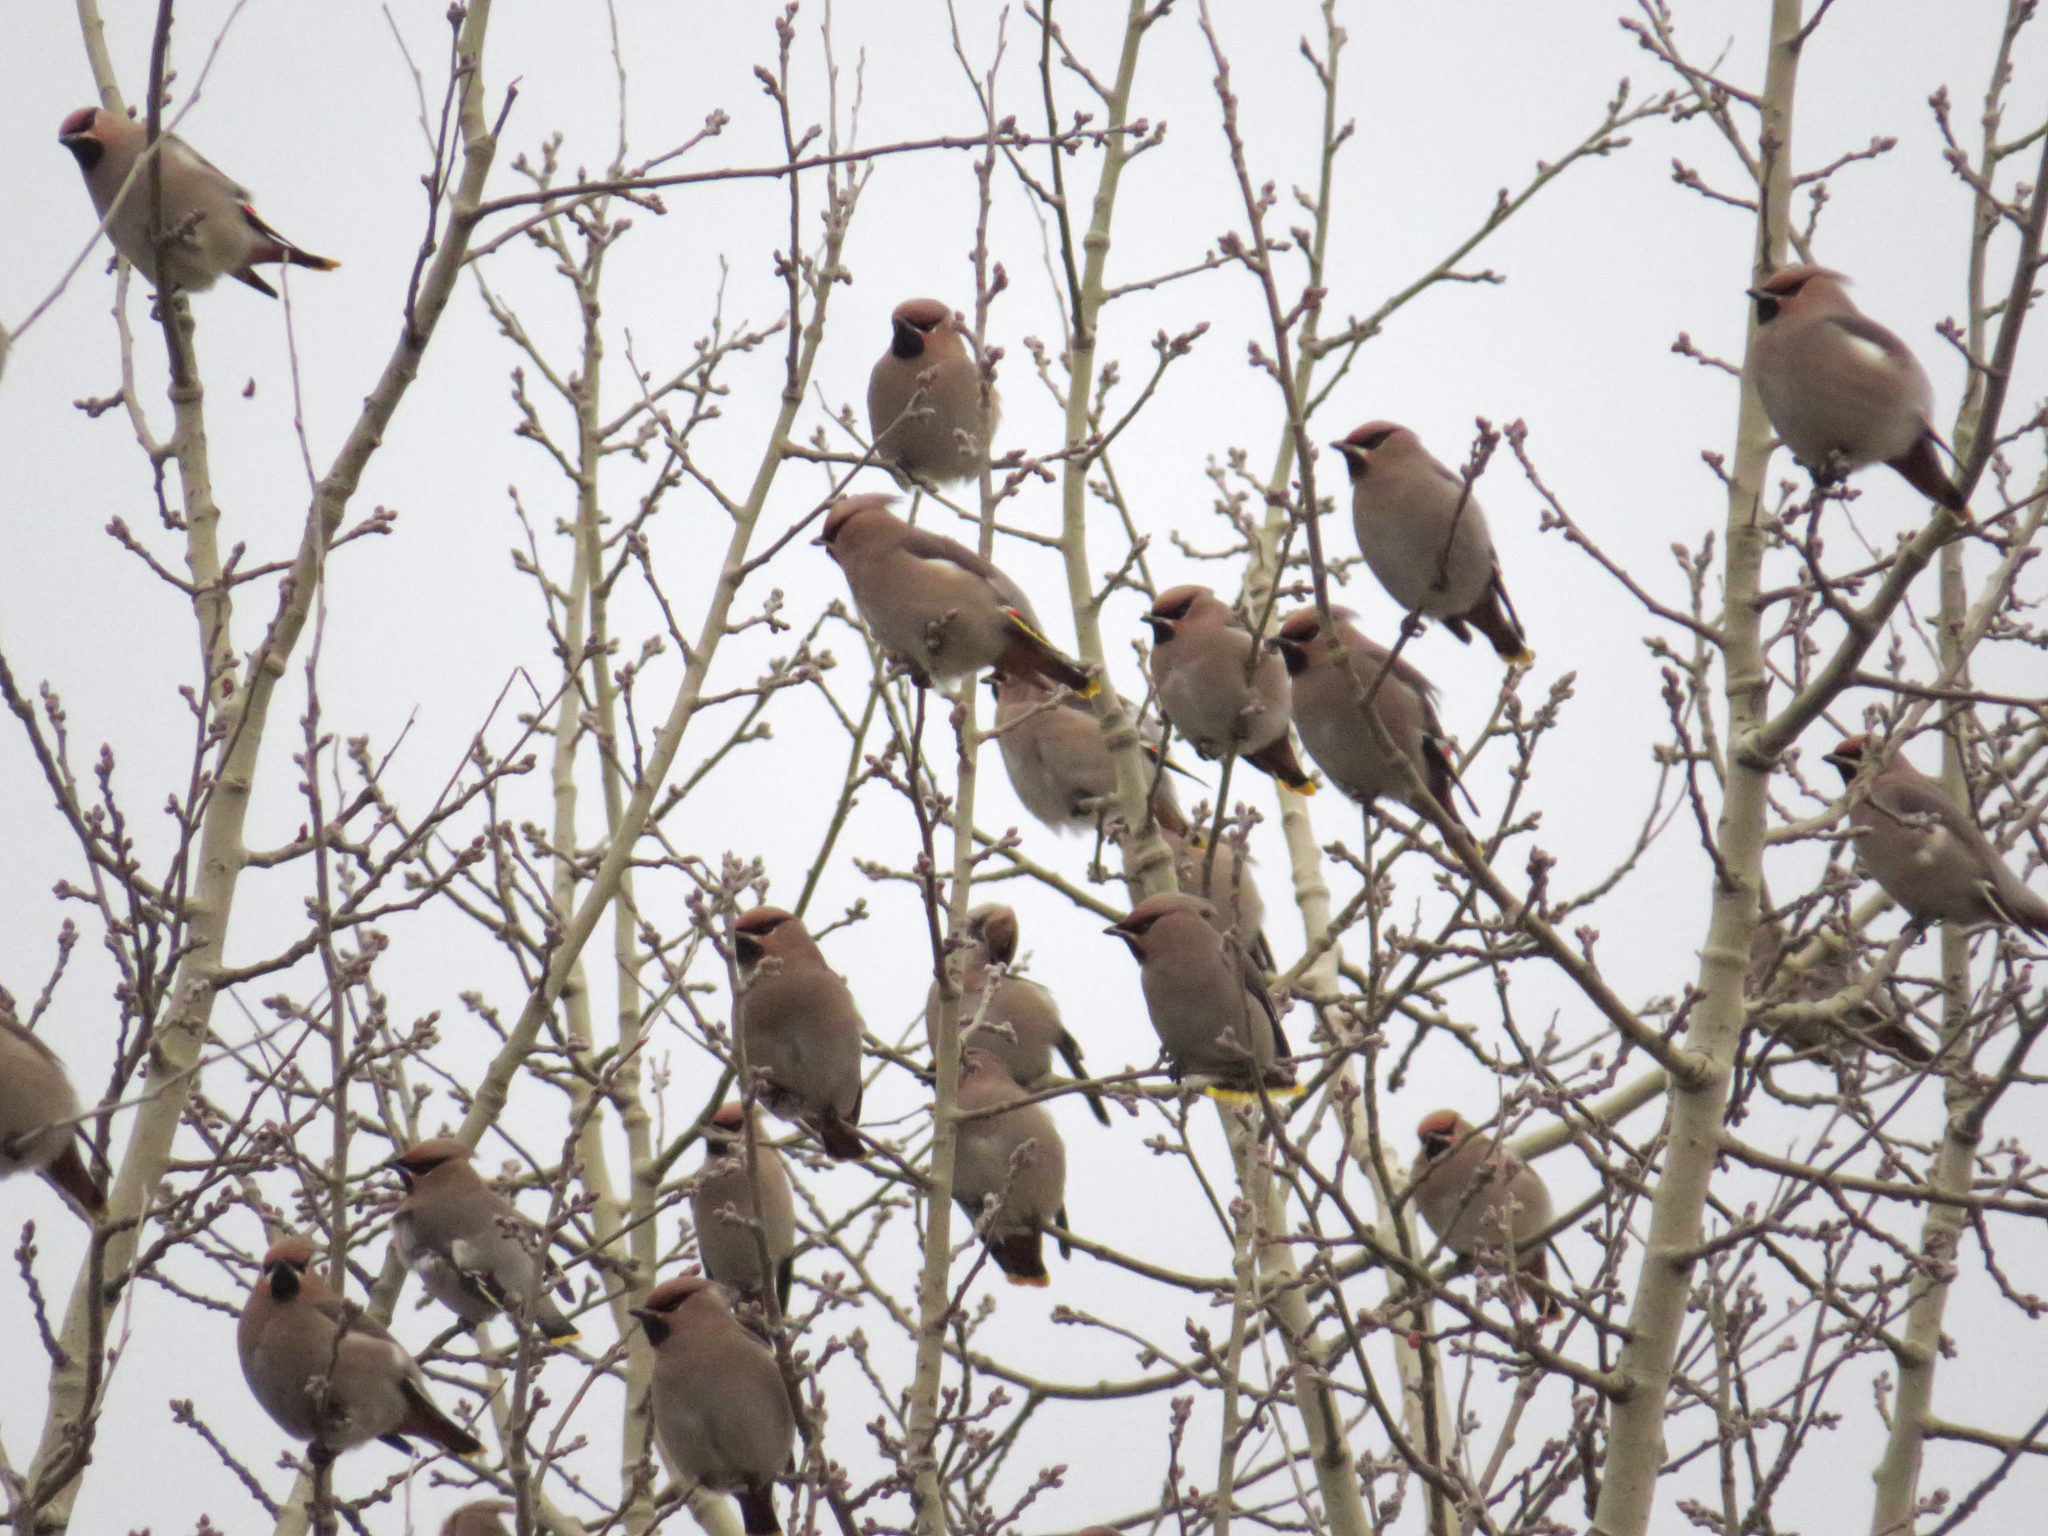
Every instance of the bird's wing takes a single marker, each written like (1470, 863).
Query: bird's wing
(927, 545)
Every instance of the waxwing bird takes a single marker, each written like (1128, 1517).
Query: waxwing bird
(1336, 731)
(800, 1027)
(1057, 760)
(732, 1226)
(1421, 530)
(1220, 688)
(1237, 910)
(1015, 1020)
(469, 1245)
(327, 1371)
(1790, 970)
(1209, 1006)
(720, 1408)
(1841, 390)
(38, 1118)
(936, 605)
(1009, 1169)
(1925, 850)
(1482, 1201)
(480, 1519)
(925, 410)
(208, 229)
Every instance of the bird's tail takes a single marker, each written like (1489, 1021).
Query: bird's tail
(839, 1137)
(1922, 467)
(757, 1509)
(1030, 654)
(1020, 1256)
(428, 1422)
(1278, 760)
(69, 1174)
(1495, 619)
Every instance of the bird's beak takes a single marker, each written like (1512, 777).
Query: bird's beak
(822, 542)
(1162, 629)
(1758, 294)
(643, 1313)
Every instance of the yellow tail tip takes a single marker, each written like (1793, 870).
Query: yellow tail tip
(570, 1337)
(1305, 787)
(1522, 658)
(1035, 1281)
(1094, 687)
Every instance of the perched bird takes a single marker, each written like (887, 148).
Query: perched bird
(1786, 969)
(1017, 1021)
(1220, 688)
(936, 605)
(38, 1118)
(1841, 390)
(1056, 758)
(720, 1408)
(924, 398)
(1327, 695)
(1237, 910)
(1480, 1199)
(731, 1227)
(801, 1029)
(1009, 1169)
(1421, 530)
(469, 1245)
(208, 229)
(1209, 1006)
(327, 1371)
(1926, 851)
(480, 1519)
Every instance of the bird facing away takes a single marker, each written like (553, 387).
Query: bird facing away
(327, 1371)
(1841, 390)
(731, 1226)
(800, 1027)
(208, 228)
(1812, 968)
(1208, 1004)
(720, 1408)
(1016, 1021)
(1421, 530)
(1237, 910)
(38, 1112)
(469, 1245)
(1483, 1201)
(1009, 1169)
(1336, 732)
(925, 411)
(934, 604)
(1925, 850)
(1221, 688)
(1057, 760)
(480, 1519)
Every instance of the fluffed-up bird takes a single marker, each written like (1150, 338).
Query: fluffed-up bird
(38, 1118)
(480, 1518)
(1208, 1003)
(1788, 970)
(1056, 758)
(1841, 390)
(1484, 1202)
(732, 1227)
(208, 229)
(1221, 689)
(925, 411)
(720, 1408)
(1335, 729)
(327, 1371)
(1421, 530)
(801, 1029)
(469, 1245)
(1014, 1159)
(934, 604)
(1016, 1021)
(1925, 850)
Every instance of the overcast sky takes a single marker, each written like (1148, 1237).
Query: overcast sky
(313, 109)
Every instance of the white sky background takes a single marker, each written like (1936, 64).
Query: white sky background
(312, 108)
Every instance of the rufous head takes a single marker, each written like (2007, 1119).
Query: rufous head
(1796, 288)
(1171, 608)
(85, 133)
(1850, 754)
(762, 932)
(1137, 930)
(855, 518)
(1369, 446)
(285, 1266)
(913, 321)
(658, 1312)
(1298, 634)
(1441, 1131)
(994, 928)
(415, 1163)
